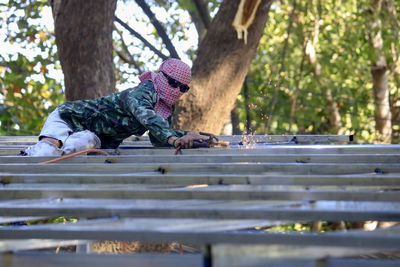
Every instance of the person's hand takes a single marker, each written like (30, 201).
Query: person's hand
(212, 139)
(198, 137)
(186, 141)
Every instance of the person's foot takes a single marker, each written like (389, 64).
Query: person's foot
(43, 148)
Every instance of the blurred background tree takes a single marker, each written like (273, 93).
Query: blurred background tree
(27, 92)
(313, 72)
(314, 67)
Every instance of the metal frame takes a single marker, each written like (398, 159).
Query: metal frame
(213, 197)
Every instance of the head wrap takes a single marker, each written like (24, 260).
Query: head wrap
(166, 94)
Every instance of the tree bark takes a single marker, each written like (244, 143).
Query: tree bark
(203, 12)
(201, 18)
(235, 121)
(83, 31)
(335, 119)
(379, 71)
(334, 115)
(393, 20)
(198, 23)
(247, 106)
(219, 70)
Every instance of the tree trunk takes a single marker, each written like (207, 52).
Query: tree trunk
(334, 115)
(219, 70)
(382, 113)
(201, 18)
(379, 71)
(394, 22)
(202, 9)
(293, 107)
(198, 23)
(83, 31)
(247, 106)
(235, 121)
(281, 70)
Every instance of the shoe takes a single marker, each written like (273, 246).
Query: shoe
(43, 148)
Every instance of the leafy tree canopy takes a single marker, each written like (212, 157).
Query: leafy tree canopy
(313, 59)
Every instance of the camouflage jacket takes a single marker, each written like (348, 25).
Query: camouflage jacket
(117, 116)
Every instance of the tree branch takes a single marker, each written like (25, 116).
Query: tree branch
(140, 37)
(123, 57)
(282, 67)
(129, 58)
(198, 23)
(203, 12)
(160, 29)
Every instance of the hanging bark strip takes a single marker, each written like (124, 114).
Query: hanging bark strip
(244, 17)
(219, 70)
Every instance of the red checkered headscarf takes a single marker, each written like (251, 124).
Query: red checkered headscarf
(167, 95)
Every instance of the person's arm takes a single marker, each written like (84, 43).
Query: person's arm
(179, 133)
(155, 142)
(140, 103)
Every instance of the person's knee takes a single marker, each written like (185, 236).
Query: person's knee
(80, 141)
(54, 141)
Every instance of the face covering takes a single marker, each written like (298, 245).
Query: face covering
(167, 95)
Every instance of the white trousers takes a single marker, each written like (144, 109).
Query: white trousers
(55, 127)
(71, 142)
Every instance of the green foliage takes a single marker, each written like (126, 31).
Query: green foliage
(174, 16)
(27, 92)
(52, 220)
(342, 53)
(285, 80)
(42, 221)
(30, 73)
(304, 227)
(295, 227)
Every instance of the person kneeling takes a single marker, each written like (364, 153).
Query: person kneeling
(106, 121)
